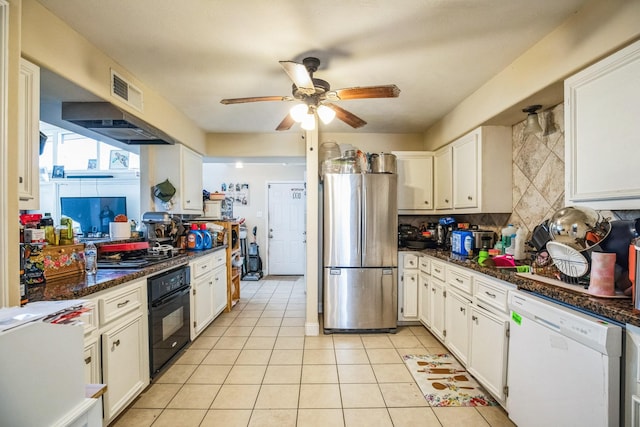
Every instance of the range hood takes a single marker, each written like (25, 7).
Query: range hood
(108, 120)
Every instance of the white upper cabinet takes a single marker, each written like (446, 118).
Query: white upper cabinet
(602, 141)
(183, 168)
(443, 172)
(415, 181)
(481, 171)
(28, 136)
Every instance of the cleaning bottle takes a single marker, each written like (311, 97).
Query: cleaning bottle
(194, 238)
(519, 253)
(207, 242)
(508, 234)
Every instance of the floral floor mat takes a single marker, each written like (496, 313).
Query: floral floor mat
(444, 382)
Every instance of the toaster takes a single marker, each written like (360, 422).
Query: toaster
(483, 239)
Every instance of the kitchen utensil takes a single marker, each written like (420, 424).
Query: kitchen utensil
(453, 378)
(540, 236)
(440, 386)
(420, 363)
(568, 260)
(580, 228)
(383, 163)
(442, 370)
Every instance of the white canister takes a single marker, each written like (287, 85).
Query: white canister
(119, 230)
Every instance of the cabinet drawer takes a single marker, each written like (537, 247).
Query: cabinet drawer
(437, 270)
(488, 292)
(202, 266)
(219, 258)
(117, 304)
(410, 261)
(459, 279)
(424, 264)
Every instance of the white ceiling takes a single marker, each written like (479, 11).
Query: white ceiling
(196, 52)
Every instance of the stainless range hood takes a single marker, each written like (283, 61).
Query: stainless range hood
(108, 120)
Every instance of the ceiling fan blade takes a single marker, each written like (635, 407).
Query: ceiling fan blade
(386, 91)
(300, 76)
(255, 99)
(347, 117)
(286, 123)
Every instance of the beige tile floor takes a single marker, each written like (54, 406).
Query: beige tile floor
(255, 367)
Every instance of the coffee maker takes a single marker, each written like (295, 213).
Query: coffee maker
(160, 228)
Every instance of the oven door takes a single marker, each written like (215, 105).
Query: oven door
(168, 327)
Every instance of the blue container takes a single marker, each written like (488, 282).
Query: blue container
(462, 242)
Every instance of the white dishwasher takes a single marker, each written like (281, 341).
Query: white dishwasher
(564, 366)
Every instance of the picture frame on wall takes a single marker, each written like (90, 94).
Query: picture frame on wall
(119, 159)
(92, 164)
(58, 171)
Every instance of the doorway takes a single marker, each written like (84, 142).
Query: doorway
(286, 233)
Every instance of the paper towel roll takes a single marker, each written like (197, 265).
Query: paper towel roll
(602, 281)
(119, 230)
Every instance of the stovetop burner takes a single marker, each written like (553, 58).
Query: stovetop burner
(138, 258)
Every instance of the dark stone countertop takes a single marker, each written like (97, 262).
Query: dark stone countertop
(619, 310)
(82, 286)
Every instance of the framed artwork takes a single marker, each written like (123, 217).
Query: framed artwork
(93, 164)
(119, 159)
(58, 171)
(237, 191)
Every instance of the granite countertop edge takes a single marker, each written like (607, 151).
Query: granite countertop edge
(83, 286)
(618, 310)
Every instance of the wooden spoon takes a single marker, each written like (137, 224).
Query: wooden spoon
(440, 386)
(421, 363)
(441, 370)
(454, 378)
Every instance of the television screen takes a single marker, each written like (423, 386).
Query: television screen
(93, 213)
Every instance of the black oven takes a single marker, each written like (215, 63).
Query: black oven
(168, 295)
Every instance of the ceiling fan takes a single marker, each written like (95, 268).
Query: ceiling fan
(316, 94)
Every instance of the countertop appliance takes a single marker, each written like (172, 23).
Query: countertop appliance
(360, 251)
(483, 239)
(169, 311)
(564, 366)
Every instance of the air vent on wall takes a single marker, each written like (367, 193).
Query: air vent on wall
(125, 91)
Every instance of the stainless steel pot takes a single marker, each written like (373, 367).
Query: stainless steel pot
(383, 163)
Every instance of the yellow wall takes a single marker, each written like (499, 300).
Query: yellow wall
(598, 29)
(50, 43)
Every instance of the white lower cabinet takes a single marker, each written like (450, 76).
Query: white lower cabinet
(219, 289)
(437, 307)
(457, 324)
(208, 290)
(408, 286)
(125, 363)
(202, 292)
(488, 350)
(424, 299)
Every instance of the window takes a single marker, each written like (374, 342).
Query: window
(77, 152)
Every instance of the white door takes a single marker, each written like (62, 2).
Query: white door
(286, 228)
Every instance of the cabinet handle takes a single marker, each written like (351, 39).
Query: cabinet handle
(436, 270)
(462, 309)
(469, 198)
(433, 290)
(20, 180)
(413, 279)
(490, 294)
(116, 343)
(474, 318)
(446, 200)
(122, 304)
(424, 284)
(188, 201)
(426, 202)
(203, 267)
(459, 280)
(87, 360)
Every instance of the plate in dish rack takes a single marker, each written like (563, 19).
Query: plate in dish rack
(568, 260)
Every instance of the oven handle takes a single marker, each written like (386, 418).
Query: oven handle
(168, 299)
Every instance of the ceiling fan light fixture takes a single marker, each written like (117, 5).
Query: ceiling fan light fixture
(309, 122)
(298, 112)
(326, 114)
(532, 125)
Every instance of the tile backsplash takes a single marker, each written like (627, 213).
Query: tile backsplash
(538, 179)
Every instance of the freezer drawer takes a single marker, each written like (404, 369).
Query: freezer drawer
(360, 298)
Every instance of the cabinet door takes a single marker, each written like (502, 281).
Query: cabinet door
(409, 305)
(28, 135)
(125, 364)
(602, 105)
(437, 305)
(424, 299)
(92, 361)
(219, 289)
(457, 325)
(202, 294)
(191, 181)
(415, 180)
(488, 350)
(465, 171)
(443, 181)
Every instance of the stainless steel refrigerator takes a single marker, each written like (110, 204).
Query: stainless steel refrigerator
(360, 251)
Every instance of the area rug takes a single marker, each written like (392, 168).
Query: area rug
(444, 382)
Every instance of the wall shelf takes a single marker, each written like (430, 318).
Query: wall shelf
(232, 239)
